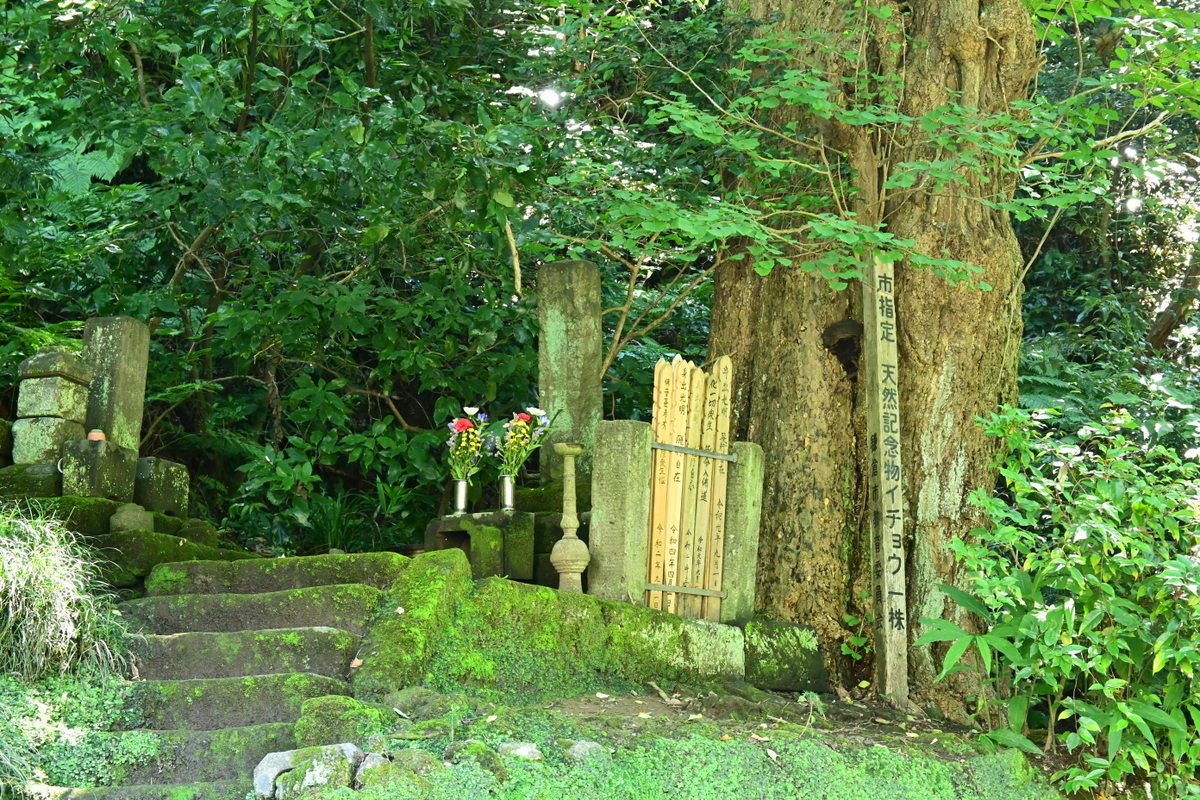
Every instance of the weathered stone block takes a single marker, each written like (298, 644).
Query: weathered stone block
(742, 515)
(30, 480)
(39, 440)
(646, 644)
(570, 353)
(162, 486)
(275, 765)
(335, 718)
(117, 349)
(621, 481)
(496, 543)
(200, 532)
(99, 469)
(420, 606)
(783, 656)
(56, 362)
(52, 397)
(130, 517)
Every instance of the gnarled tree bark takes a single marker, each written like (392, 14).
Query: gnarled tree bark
(958, 345)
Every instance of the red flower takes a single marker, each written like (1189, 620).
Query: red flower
(463, 424)
(522, 416)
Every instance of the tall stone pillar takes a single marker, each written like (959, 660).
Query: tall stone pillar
(117, 349)
(570, 352)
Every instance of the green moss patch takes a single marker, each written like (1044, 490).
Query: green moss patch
(335, 719)
(413, 617)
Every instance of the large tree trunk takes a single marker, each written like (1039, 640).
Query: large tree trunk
(958, 345)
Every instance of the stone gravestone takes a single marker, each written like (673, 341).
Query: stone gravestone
(51, 405)
(117, 348)
(570, 354)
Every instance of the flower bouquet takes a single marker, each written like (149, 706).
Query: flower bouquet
(521, 436)
(466, 444)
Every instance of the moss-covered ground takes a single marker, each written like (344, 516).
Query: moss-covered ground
(685, 746)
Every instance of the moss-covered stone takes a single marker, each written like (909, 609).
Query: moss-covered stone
(784, 657)
(645, 644)
(30, 480)
(135, 553)
(212, 703)
(413, 616)
(531, 641)
(479, 753)
(87, 515)
(346, 606)
(200, 532)
(322, 651)
(334, 719)
(276, 574)
(325, 770)
(165, 523)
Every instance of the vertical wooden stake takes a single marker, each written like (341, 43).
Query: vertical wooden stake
(704, 496)
(887, 493)
(722, 375)
(663, 379)
(689, 604)
(681, 397)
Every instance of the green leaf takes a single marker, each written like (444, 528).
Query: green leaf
(1006, 737)
(505, 199)
(1018, 711)
(967, 601)
(954, 654)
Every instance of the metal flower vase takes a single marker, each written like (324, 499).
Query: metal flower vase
(460, 496)
(508, 493)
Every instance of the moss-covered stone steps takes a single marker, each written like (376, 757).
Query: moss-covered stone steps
(213, 790)
(275, 574)
(347, 606)
(213, 703)
(180, 656)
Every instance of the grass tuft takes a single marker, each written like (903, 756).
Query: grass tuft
(55, 613)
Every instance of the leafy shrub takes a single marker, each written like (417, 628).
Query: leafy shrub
(1089, 576)
(54, 615)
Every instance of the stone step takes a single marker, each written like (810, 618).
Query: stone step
(217, 790)
(181, 656)
(275, 574)
(133, 554)
(182, 757)
(213, 703)
(347, 606)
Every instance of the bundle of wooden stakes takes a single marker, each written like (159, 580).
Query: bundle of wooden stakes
(691, 467)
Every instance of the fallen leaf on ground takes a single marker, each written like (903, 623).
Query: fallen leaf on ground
(602, 695)
(644, 715)
(356, 663)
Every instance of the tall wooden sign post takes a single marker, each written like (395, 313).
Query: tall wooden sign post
(887, 494)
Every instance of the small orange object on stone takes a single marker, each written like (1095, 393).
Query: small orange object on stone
(96, 435)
